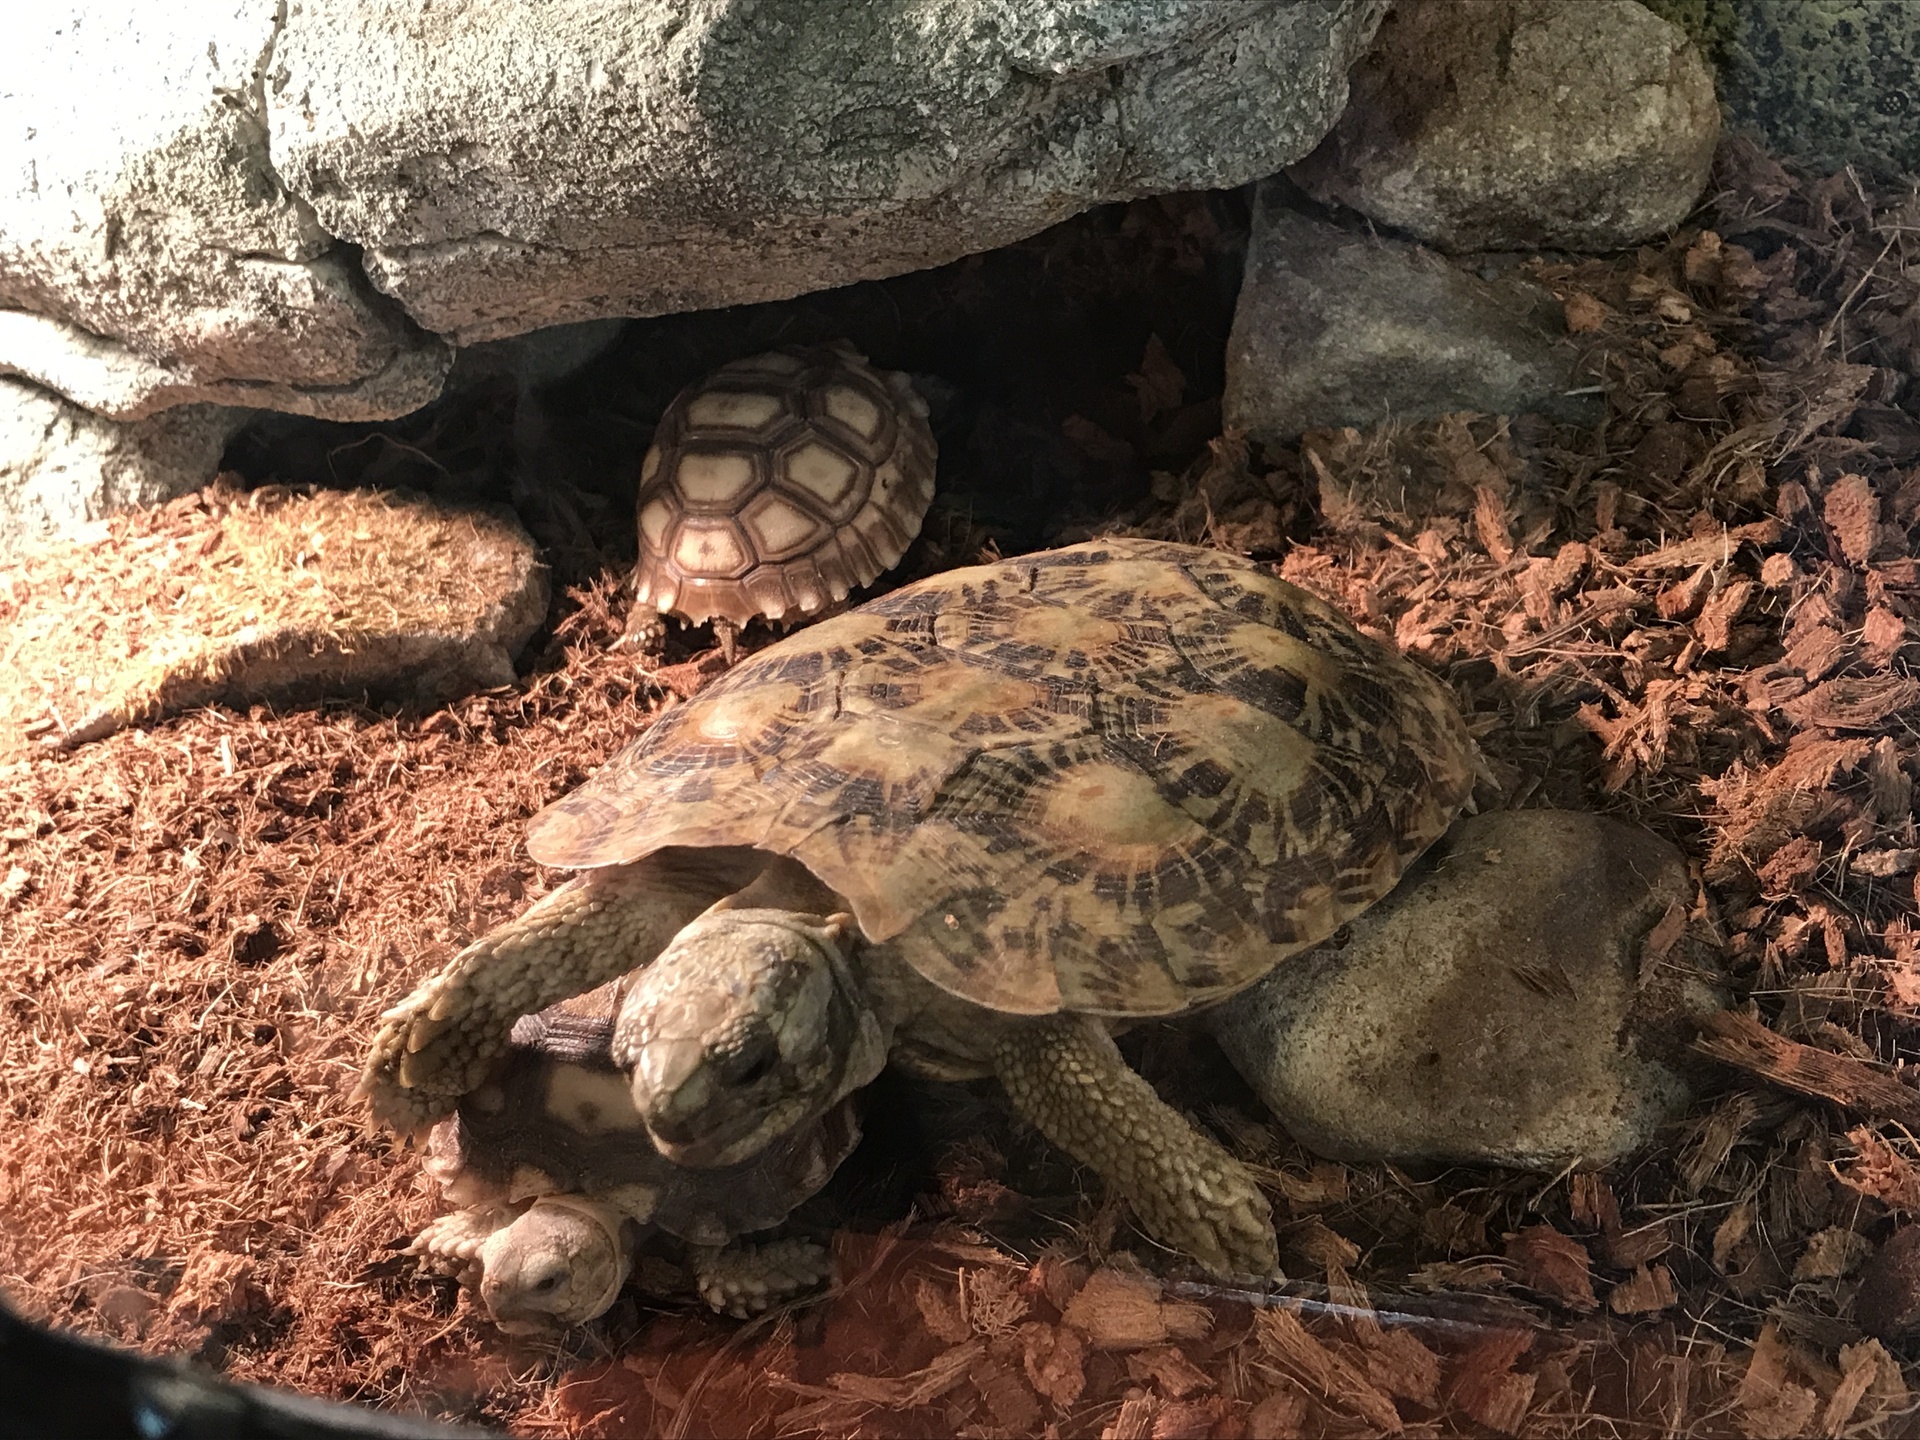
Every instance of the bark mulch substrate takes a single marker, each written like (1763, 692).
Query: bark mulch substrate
(1700, 615)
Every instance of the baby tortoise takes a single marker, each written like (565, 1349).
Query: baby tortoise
(973, 826)
(557, 1178)
(776, 486)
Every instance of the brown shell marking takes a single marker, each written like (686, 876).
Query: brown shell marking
(1121, 778)
(780, 483)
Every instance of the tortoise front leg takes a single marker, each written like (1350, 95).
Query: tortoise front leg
(438, 1043)
(1065, 1075)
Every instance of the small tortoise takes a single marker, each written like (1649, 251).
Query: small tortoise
(777, 485)
(556, 1176)
(1056, 794)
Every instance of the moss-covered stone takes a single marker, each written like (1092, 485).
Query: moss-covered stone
(1826, 82)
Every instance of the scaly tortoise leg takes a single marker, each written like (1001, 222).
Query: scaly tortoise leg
(645, 633)
(1065, 1075)
(743, 1280)
(438, 1043)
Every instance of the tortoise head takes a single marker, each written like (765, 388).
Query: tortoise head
(561, 1262)
(750, 1023)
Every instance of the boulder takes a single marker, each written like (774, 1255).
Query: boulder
(149, 254)
(1505, 1005)
(204, 201)
(62, 466)
(1828, 84)
(1509, 123)
(1335, 327)
(507, 164)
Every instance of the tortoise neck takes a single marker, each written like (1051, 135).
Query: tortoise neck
(785, 884)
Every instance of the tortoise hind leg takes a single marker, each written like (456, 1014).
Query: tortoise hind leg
(743, 1280)
(438, 1043)
(1065, 1075)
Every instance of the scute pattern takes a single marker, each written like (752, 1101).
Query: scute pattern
(1123, 778)
(816, 468)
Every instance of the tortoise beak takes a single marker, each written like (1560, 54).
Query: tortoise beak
(677, 1093)
(668, 1088)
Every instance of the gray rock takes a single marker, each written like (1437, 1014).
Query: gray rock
(508, 164)
(149, 255)
(1337, 328)
(62, 466)
(186, 184)
(1828, 82)
(1509, 123)
(1495, 1009)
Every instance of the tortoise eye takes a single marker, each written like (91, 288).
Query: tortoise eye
(757, 1071)
(745, 1053)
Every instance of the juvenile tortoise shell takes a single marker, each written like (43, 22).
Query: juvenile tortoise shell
(780, 483)
(1122, 778)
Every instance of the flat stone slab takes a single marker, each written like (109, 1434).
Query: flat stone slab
(268, 597)
(1501, 1007)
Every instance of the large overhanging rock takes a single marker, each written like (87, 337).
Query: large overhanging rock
(180, 178)
(149, 255)
(507, 164)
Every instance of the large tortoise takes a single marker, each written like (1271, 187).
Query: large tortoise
(777, 485)
(974, 825)
(558, 1181)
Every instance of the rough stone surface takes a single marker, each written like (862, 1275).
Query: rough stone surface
(1490, 1010)
(198, 200)
(149, 255)
(62, 466)
(1509, 123)
(1338, 328)
(514, 163)
(1828, 82)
